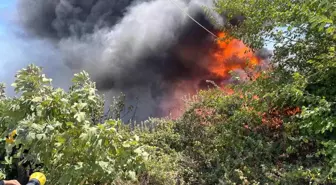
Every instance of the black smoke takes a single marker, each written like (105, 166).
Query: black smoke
(129, 46)
(66, 18)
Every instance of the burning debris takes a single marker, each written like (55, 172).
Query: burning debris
(149, 50)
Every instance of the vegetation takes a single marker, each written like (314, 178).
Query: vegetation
(278, 129)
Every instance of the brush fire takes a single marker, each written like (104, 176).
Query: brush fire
(148, 50)
(227, 55)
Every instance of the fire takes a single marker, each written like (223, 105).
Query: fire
(229, 54)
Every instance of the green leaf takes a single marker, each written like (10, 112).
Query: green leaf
(331, 30)
(136, 138)
(80, 116)
(126, 145)
(37, 99)
(84, 136)
(40, 136)
(132, 175)
(14, 85)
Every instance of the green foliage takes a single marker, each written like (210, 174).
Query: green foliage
(66, 133)
(303, 33)
(164, 167)
(300, 150)
(238, 143)
(278, 129)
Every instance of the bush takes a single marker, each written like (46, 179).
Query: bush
(267, 131)
(66, 132)
(279, 129)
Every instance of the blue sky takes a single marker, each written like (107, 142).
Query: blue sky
(7, 49)
(17, 52)
(6, 3)
(6, 6)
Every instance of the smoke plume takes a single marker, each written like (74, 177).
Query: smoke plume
(139, 47)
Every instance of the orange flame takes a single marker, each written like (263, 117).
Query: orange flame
(231, 54)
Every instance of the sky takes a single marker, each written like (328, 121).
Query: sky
(17, 51)
(7, 49)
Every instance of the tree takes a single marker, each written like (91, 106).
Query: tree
(65, 132)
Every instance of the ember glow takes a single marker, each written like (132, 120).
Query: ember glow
(228, 55)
